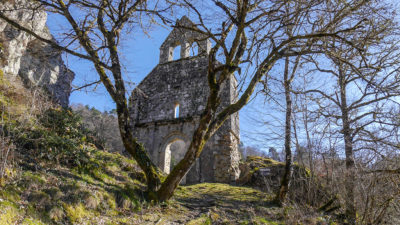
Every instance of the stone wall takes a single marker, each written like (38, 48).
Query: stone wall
(37, 63)
(183, 83)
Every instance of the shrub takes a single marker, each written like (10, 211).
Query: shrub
(59, 135)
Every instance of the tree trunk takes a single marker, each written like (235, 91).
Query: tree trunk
(284, 188)
(348, 141)
(179, 171)
(138, 152)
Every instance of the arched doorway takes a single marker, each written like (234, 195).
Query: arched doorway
(174, 152)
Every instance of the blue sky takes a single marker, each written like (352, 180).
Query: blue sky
(139, 54)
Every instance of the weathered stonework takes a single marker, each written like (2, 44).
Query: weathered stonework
(36, 63)
(167, 104)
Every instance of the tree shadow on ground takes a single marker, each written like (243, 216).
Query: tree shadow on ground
(228, 203)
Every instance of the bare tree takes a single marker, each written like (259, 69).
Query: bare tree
(248, 35)
(367, 80)
(289, 72)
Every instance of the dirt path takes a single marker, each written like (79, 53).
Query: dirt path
(211, 203)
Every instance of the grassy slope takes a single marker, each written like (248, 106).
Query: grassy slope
(102, 191)
(110, 194)
(59, 177)
(107, 191)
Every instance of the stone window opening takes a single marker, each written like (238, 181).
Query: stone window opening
(194, 49)
(176, 110)
(177, 53)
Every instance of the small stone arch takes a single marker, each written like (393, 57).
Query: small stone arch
(172, 150)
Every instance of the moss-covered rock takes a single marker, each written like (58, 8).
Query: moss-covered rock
(261, 172)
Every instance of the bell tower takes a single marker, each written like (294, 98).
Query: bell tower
(184, 35)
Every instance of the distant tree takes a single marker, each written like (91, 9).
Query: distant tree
(254, 151)
(104, 125)
(273, 153)
(242, 151)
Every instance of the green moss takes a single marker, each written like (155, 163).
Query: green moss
(109, 200)
(10, 193)
(233, 193)
(263, 162)
(4, 100)
(99, 174)
(2, 79)
(244, 222)
(32, 221)
(203, 220)
(109, 169)
(264, 221)
(306, 172)
(32, 179)
(83, 175)
(76, 213)
(9, 212)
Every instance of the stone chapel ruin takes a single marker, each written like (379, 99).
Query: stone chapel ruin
(166, 108)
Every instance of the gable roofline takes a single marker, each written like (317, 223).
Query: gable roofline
(183, 34)
(179, 30)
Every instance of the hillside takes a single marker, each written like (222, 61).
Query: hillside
(52, 173)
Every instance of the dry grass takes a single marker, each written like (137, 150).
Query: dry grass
(19, 107)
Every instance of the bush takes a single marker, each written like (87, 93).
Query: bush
(59, 135)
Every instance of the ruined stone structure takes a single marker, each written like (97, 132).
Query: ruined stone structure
(167, 104)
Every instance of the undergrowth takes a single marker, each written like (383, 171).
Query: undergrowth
(53, 172)
(63, 178)
(57, 175)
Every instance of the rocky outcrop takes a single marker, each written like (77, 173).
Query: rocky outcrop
(260, 172)
(265, 174)
(37, 63)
